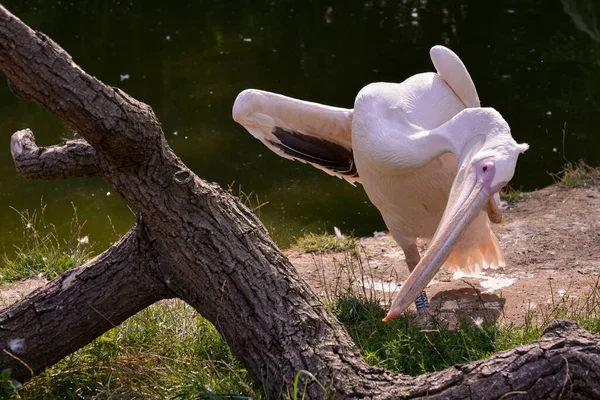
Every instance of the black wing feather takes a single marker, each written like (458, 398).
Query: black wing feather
(309, 148)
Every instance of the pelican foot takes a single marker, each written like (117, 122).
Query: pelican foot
(425, 319)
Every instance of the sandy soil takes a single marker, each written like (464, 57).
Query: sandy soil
(12, 292)
(551, 242)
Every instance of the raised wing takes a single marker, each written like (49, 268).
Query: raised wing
(454, 72)
(300, 130)
(450, 67)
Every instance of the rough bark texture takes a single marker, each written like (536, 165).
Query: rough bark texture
(80, 305)
(195, 242)
(69, 159)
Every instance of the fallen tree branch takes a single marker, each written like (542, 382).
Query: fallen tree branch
(88, 300)
(74, 158)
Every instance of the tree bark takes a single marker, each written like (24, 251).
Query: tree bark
(70, 159)
(80, 305)
(196, 242)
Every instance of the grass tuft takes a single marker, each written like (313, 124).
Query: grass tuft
(314, 243)
(41, 254)
(250, 200)
(511, 195)
(401, 346)
(575, 175)
(167, 351)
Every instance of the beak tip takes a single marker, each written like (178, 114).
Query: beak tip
(390, 315)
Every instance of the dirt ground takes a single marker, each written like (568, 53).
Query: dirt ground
(551, 241)
(12, 292)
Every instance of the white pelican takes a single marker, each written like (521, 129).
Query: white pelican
(428, 157)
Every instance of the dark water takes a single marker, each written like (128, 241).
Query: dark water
(537, 62)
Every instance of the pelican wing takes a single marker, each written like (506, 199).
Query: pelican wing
(454, 72)
(300, 130)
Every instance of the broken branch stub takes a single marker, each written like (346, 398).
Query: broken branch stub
(73, 158)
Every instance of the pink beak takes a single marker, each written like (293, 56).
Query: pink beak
(470, 193)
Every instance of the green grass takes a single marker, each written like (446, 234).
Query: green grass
(313, 243)
(168, 351)
(401, 346)
(41, 254)
(511, 195)
(575, 175)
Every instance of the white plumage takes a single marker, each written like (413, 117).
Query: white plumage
(429, 159)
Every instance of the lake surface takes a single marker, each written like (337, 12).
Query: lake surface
(537, 62)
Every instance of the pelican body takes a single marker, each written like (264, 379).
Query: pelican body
(429, 158)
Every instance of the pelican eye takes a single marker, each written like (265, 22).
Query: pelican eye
(485, 168)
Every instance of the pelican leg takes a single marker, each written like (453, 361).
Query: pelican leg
(411, 252)
(421, 301)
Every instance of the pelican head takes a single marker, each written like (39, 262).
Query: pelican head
(487, 156)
